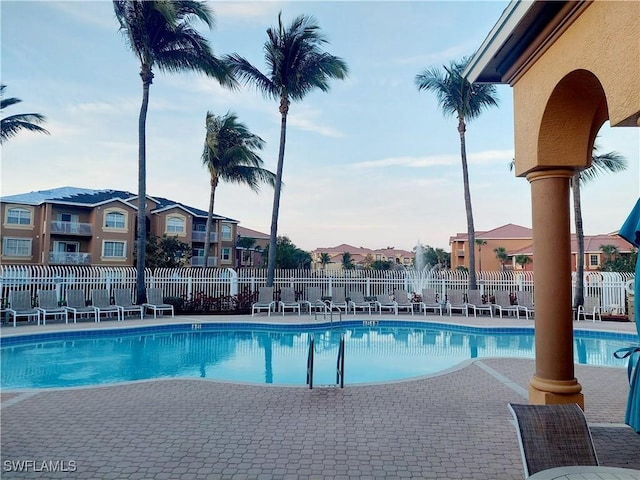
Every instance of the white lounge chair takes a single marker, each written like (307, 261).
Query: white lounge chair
(155, 302)
(48, 305)
(265, 301)
(313, 300)
(338, 299)
(20, 306)
(402, 300)
(357, 302)
(288, 300)
(101, 303)
(591, 307)
(456, 301)
(525, 303)
(77, 305)
(430, 301)
(474, 302)
(503, 303)
(385, 302)
(122, 297)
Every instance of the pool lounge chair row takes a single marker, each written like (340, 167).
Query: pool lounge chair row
(20, 305)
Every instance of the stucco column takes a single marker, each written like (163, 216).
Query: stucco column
(554, 380)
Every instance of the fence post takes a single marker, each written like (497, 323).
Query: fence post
(190, 287)
(233, 281)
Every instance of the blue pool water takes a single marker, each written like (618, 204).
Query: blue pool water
(269, 354)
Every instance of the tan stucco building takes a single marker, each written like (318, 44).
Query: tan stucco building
(572, 66)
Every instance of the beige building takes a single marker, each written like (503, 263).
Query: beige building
(77, 226)
(518, 240)
(361, 256)
(573, 66)
(252, 256)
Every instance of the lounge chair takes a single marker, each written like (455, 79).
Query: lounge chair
(20, 306)
(474, 302)
(313, 300)
(288, 300)
(552, 436)
(122, 297)
(525, 303)
(48, 305)
(357, 302)
(503, 303)
(402, 299)
(385, 302)
(101, 303)
(265, 301)
(155, 302)
(430, 301)
(455, 301)
(338, 299)
(591, 307)
(77, 305)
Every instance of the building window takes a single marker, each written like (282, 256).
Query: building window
(16, 247)
(112, 249)
(226, 255)
(114, 220)
(226, 232)
(18, 216)
(594, 260)
(175, 225)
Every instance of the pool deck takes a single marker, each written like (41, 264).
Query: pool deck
(453, 425)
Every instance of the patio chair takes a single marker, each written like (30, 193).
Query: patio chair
(122, 297)
(385, 302)
(503, 303)
(20, 306)
(155, 302)
(357, 302)
(525, 303)
(48, 305)
(474, 302)
(591, 307)
(338, 299)
(101, 303)
(313, 300)
(402, 299)
(288, 300)
(430, 301)
(552, 436)
(77, 305)
(265, 301)
(455, 301)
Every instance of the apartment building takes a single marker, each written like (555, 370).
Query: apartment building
(360, 256)
(79, 226)
(518, 240)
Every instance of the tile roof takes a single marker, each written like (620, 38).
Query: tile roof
(508, 231)
(88, 197)
(247, 232)
(592, 244)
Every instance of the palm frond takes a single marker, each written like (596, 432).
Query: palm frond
(610, 162)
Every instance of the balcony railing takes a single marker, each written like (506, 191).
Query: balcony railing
(71, 228)
(199, 237)
(199, 261)
(461, 253)
(67, 258)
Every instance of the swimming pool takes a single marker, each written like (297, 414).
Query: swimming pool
(270, 354)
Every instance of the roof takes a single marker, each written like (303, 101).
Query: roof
(90, 198)
(247, 232)
(509, 231)
(592, 244)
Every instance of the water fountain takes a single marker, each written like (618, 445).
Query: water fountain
(419, 276)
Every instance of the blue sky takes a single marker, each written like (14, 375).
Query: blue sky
(372, 163)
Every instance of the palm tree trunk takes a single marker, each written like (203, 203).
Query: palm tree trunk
(577, 214)
(207, 228)
(271, 265)
(141, 241)
(467, 204)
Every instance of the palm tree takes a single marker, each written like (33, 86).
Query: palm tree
(480, 242)
(160, 34)
(296, 65)
(523, 260)
(347, 261)
(467, 101)
(248, 244)
(324, 260)
(501, 255)
(11, 125)
(230, 154)
(610, 162)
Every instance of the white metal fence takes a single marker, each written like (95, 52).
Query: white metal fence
(610, 287)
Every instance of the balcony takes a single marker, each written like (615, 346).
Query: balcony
(199, 261)
(199, 237)
(68, 258)
(71, 228)
(461, 253)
